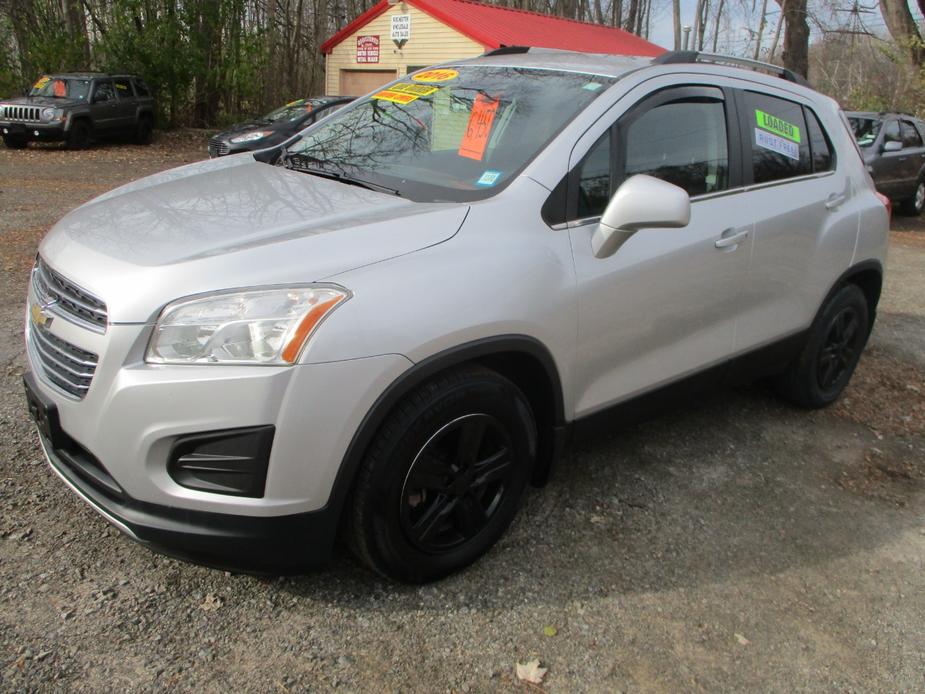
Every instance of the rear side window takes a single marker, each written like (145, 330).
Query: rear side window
(682, 142)
(779, 138)
(123, 88)
(141, 88)
(910, 135)
(818, 144)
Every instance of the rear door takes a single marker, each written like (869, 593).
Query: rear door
(805, 212)
(125, 103)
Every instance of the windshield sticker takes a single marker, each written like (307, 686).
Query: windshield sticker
(489, 178)
(475, 139)
(777, 144)
(777, 126)
(592, 86)
(436, 76)
(405, 93)
(42, 82)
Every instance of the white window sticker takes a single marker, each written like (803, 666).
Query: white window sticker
(777, 144)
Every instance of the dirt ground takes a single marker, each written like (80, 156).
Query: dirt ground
(735, 545)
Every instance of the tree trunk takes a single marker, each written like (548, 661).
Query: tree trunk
(719, 16)
(761, 25)
(899, 21)
(796, 36)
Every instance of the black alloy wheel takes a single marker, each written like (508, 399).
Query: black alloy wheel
(443, 477)
(833, 347)
(839, 349)
(456, 483)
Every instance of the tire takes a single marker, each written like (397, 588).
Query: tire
(79, 135)
(916, 204)
(143, 132)
(15, 142)
(836, 339)
(443, 477)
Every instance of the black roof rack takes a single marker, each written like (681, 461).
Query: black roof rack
(675, 57)
(507, 50)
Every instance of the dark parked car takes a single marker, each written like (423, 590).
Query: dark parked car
(893, 149)
(275, 127)
(78, 107)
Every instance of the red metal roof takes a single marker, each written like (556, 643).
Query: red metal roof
(494, 26)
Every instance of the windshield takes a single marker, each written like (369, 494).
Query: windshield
(865, 129)
(448, 134)
(61, 87)
(291, 111)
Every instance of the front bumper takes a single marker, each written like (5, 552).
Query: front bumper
(42, 132)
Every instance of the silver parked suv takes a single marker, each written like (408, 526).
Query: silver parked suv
(389, 326)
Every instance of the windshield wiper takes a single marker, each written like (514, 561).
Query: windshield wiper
(337, 176)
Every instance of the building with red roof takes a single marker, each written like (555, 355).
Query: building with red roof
(394, 38)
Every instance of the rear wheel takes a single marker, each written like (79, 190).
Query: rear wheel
(444, 477)
(14, 142)
(837, 337)
(916, 204)
(79, 135)
(143, 132)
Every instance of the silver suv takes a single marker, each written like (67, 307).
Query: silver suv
(391, 325)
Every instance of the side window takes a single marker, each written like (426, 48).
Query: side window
(594, 179)
(123, 88)
(103, 92)
(683, 142)
(818, 143)
(141, 88)
(910, 135)
(891, 132)
(778, 135)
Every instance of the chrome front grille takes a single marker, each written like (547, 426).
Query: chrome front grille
(23, 113)
(66, 366)
(65, 298)
(217, 148)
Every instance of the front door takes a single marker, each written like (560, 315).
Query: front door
(665, 304)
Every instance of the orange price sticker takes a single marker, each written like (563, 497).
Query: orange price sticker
(60, 88)
(475, 139)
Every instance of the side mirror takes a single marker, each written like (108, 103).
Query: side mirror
(892, 146)
(641, 202)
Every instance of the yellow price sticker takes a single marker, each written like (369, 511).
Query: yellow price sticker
(438, 75)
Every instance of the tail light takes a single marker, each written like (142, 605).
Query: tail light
(887, 204)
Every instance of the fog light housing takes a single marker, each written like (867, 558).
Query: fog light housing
(231, 461)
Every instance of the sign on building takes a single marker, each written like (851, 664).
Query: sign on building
(401, 29)
(367, 49)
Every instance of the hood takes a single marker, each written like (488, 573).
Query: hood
(229, 223)
(42, 101)
(247, 126)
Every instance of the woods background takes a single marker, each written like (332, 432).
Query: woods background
(212, 61)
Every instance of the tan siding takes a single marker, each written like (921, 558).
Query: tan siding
(431, 42)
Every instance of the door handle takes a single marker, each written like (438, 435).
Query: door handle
(835, 200)
(731, 237)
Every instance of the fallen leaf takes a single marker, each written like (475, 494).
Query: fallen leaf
(531, 672)
(550, 630)
(212, 602)
(742, 640)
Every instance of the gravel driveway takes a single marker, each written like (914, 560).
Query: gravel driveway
(735, 544)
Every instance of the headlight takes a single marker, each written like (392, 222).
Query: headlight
(50, 114)
(261, 326)
(251, 137)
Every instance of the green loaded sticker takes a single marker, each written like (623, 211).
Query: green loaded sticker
(777, 126)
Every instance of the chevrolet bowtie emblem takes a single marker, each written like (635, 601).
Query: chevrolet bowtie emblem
(40, 314)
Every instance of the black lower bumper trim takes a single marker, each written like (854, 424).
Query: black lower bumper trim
(275, 544)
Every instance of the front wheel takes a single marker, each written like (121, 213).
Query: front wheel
(13, 142)
(916, 204)
(837, 337)
(79, 135)
(444, 476)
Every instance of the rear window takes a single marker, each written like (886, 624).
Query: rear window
(910, 135)
(141, 88)
(779, 138)
(819, 144)
(123, 88)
